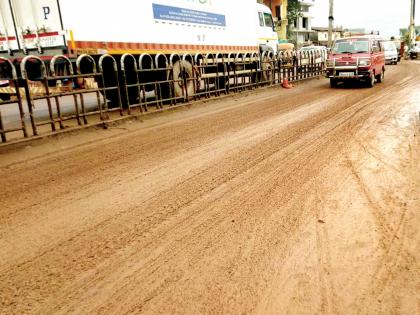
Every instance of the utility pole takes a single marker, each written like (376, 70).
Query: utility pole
(331, 24)
(412, 28)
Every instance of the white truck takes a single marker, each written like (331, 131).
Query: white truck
(48, 27)
(45, 28)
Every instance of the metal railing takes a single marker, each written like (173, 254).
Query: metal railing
(52, 96)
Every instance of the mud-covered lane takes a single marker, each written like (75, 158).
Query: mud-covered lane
(299, 201)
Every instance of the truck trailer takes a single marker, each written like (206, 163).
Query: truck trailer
(47, 28)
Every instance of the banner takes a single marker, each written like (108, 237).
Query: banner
(183, 15)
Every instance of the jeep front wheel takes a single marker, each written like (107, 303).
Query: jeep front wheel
(380, 77)
(371, 81)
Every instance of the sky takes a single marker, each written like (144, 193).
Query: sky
(386, 16)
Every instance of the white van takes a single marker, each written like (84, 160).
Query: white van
(391, 53)
(414, 52)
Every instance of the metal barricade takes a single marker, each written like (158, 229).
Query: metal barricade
(165, 86)
(90, 89)
(63, 80)
(86, 83)
(251, 61)
(10, 75)
(278, 68)
(313, 69)
(287, 61)
(267, 68)
(240, 71)
(110, 83)
(222, 73)
(189, 76)
(294, 76)
(131, 84)
(303, 63)
(50, 88)
(42, 91)
(149, 90)
(207, 76)
(178, 78)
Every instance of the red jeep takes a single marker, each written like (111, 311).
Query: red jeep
(356, 58)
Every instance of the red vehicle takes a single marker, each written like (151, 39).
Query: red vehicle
(358, 58)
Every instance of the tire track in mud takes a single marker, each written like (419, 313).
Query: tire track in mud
(272, 148)
(244, 135)
(148, 299)
(84, 168)
(280, 178)
(220, 229)
(328, 293)
(392, 235)
(159, 198)
(391, 240)
(88, 192)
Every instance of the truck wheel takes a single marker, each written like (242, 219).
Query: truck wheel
(267, 74)
(183, 69)
(333, 83)
(110, 80)
(371, 81)
(112, 96)
(222, 84)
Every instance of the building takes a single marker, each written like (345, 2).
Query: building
(355, 32)
(301, 27)
(279, 11)
(320, 35)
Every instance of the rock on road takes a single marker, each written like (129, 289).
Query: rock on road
(285, 202)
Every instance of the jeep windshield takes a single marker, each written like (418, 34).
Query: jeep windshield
(351, 47)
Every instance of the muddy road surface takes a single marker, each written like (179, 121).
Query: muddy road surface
(301, 201)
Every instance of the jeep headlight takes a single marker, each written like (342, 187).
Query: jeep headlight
(364, 62)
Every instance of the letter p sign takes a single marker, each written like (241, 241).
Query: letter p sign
(47, 12)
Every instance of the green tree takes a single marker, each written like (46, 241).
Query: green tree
(293, 13)
(405, 35)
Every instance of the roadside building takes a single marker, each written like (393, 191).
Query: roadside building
(320, 35)
(279, 11)
(301, 27)
(355, 32)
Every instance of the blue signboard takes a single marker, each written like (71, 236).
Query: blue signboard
(168, 13)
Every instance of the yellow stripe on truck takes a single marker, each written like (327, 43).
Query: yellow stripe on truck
(73, 44)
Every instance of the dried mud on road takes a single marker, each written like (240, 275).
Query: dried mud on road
(302, 201)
